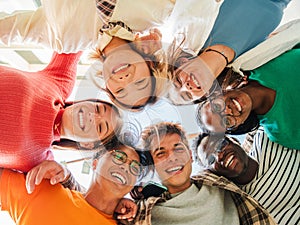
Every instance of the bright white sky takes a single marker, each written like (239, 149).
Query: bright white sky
(8, 6)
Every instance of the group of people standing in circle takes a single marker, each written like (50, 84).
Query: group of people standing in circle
(223, 58)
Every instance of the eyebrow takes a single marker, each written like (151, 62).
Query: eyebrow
(162, 148)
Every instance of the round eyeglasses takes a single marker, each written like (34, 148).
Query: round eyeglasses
(218, 106)
(119, 157)
(218, 146)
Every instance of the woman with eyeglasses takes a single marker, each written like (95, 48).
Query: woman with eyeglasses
(270, 98)
(116, 169)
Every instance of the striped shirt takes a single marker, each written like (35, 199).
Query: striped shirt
(277, 183)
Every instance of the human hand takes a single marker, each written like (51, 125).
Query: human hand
(136, 192)
(126, 209)
(150, 43)
(51, 170)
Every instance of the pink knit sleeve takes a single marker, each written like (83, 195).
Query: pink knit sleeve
(63, 68)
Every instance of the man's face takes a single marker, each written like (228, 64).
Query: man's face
(173, 162)
(117, 170)
(222, 156)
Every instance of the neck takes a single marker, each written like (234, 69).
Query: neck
(262, 97)
(105, 203)
(176, 189)
(114, 43)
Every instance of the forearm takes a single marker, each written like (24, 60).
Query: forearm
(72, 184)
(55, 25)
(23, 27)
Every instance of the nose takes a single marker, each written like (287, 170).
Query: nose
(123, 77)
(97, 117)
(220, 155)
(125, 167)
(228, 110)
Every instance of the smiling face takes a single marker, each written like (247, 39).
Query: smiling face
(226, 111)
(193, 80)
(222, 155)
(89, 121)
(173, 162)
(117, 177)
(127, 77)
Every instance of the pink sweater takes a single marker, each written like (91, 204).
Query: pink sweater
(29, 103)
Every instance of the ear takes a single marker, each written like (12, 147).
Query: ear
(95, 163)
(191, 155)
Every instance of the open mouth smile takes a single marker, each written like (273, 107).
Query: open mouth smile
(120, 68)
(174, 169)
(237, 105)
(119, 177)
(81, 119)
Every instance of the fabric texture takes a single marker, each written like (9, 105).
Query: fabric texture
(65, 26)
(284, 38)
(249, 210)
(157, 13)
(48, 204)
(276, 184)
(242, 24)
(28, 111)
(281, 122)
(219, 208)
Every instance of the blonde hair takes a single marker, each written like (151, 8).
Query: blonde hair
(159, 71)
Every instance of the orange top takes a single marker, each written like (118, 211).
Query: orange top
(47, 205)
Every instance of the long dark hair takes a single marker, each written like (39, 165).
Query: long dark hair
(67, 144)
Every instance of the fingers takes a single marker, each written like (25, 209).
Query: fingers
(126, 209)
(46, 170)
(30, 180)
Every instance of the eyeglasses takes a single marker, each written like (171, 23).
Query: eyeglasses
(218, 106)
(218, 146)
(119, 157)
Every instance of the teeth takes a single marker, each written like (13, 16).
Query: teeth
(119, 177)
(80, 117)
(121, 68)
(174, 169)
(237, 105)
(194, 80)
(229, 161)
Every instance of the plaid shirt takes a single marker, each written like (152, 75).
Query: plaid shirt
(249, 210)
(105, 9)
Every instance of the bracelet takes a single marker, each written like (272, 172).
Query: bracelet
(221, 53)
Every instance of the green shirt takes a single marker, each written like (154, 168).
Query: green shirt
(282, 74)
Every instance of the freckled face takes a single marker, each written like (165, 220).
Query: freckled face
(128, 77)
